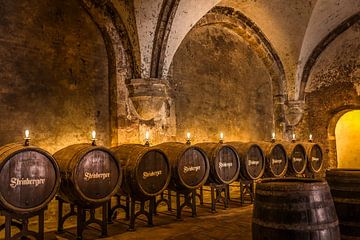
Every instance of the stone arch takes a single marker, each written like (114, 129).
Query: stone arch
(337, 114)
(247, 29)
(320, 47)
(121, 61)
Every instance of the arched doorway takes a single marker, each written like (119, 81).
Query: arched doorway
(347, 133)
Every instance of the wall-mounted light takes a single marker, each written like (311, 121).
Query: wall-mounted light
(27, 137)
(310, 137)
(273, 137)
(293, 138)
(147, 138)
(221, 139)
(93, 138)
(188, 138)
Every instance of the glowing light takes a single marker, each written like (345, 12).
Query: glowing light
(93, 135)
(147, 135)
(221, 136)
(273, 136)
(293, 137)
(310, 137)
(27, 134)
(188, 136)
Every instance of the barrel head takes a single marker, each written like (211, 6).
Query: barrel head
(298, 159)
(316, 158)
(278, 160)
(193, 167)
(28, 178)
(97, 174)
(254, 162)
(227, 164)
(153, 172)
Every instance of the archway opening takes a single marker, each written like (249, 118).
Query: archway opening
(347, 133)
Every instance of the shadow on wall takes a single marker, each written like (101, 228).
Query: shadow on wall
(53, 79)
(220, 85)
(347, 133)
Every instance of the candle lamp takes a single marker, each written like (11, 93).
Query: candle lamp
(310, 138)
(147, 138)
(27, 137)
(93, 138)
(293, 138)
(273, 137)
(188, 138)
(221, 140)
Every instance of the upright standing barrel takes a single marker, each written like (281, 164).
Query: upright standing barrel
(29, 177)
(297, 158)
(90, 174)
(345, 189)
(276, 159)
(314, 157)
(294, 209)
(147, 170)
(189, 165)
(252, 160)
(224, 162)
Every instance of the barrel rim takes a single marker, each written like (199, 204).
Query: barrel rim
(43, 204)
(308, 153)
(291, 157)
(79, 156)
(268, 157)
(206, 174)
(168, 179)
(296, 184)
(217, 149)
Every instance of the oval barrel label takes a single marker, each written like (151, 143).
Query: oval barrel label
(316, 157)
(97, 174)
(298, 158)
(153, 172)
(226, 164)
(278, 160)
(27, 179)
(255, 161)
(192, 167)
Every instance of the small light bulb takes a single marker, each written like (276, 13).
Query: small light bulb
(27, 134)
(147, 135)
(293, 136)
(221, 136)
(93, 134)
(273, 135)
(188, 136)
(310, 137)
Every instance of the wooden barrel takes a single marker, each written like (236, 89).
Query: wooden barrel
(29, 177)
(147, 170)
(90, 174)
(189, 165)
(314, 157)
(294, 209)
(296, 154)
(224, 162)
(345, 189)
(276, 159)
(252, 160)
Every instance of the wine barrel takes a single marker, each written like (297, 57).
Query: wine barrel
(294, 209)
(147, 170)
(90, 174)
(314, 156)
(345, 189)
(276, 159)
(252, 160)
(29, 177)
(224, 162)
(189, 165)
(296, 154)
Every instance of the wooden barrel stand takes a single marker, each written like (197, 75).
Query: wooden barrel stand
(80, 213)
(113, 210)
(219, 194)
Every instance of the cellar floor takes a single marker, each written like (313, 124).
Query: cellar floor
(232, 223)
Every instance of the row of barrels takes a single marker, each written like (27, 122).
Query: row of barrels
(308, 209)
(92, 174)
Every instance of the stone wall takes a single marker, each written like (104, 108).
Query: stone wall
(220, 84)
(53, 74)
